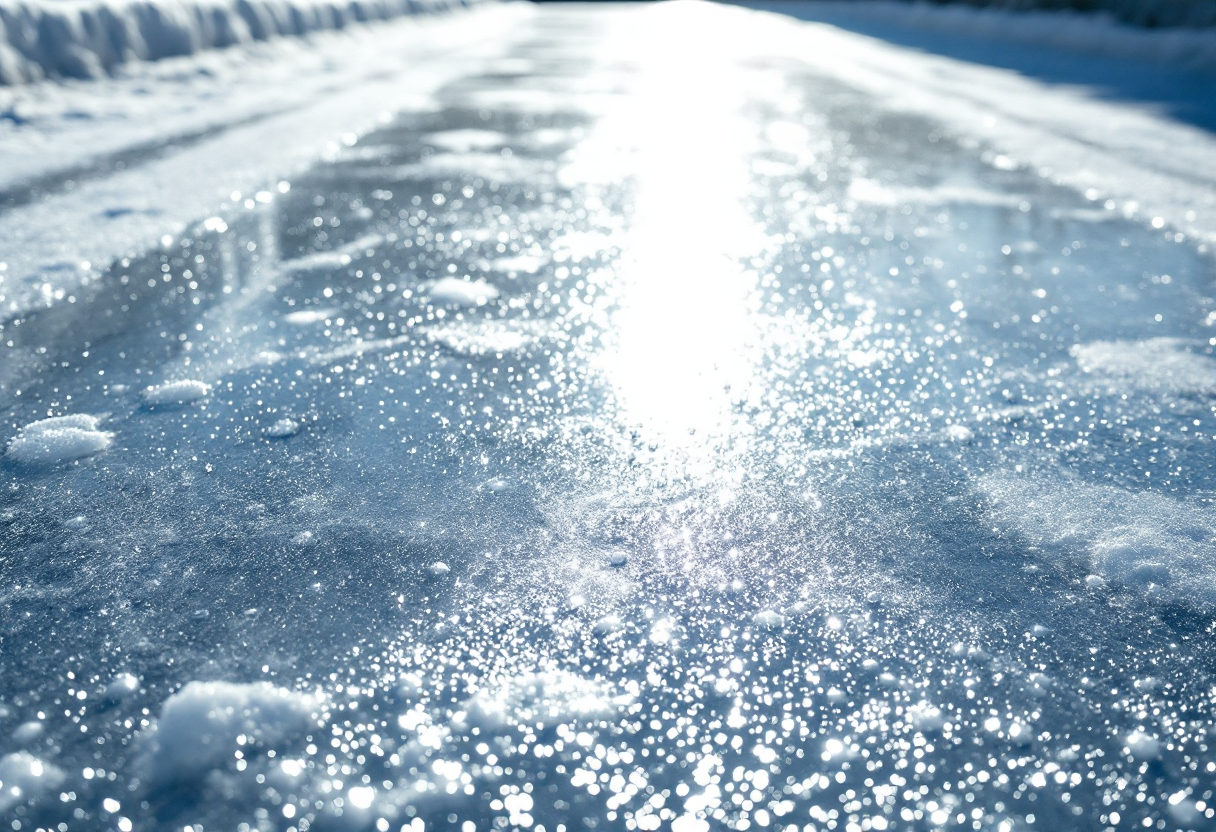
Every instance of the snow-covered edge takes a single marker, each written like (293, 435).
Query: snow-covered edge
(1087, 33)
(91, 38)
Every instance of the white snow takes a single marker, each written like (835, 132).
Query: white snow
(454, 291)
(22, 776)
(282, 429)
(199, 726)
(122, 686)
(1142, 746)
(185, 391)
(59, 439)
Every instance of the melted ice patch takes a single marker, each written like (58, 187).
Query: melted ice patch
(59, 439)
(185, 391)
(453, 291)
(1163, 364)
(201, 726)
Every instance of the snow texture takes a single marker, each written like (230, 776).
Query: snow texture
(185, 391)
(92, 38)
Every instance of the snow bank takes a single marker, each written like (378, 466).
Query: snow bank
(177, 392)
(59, 439)
(203, 724)
(1090, 34)
(90, 38)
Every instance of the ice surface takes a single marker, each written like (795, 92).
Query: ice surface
(745, 501)
(59, 439)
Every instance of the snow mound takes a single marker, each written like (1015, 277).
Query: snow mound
(59, 439)
(91, 38)
(452, 291)
(203, 724)
(24, 776)
(177, 392)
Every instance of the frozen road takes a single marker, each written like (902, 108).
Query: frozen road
(655, 430)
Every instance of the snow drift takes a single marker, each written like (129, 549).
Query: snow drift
(91, 38)
(1073, 28)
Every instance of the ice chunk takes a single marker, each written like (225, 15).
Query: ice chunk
(185, 391)
(200, 726)
(23, 776)
(438, 569)
(59, 439)
(453, 291)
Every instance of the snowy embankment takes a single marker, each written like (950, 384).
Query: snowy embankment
(90, 38)
(1078, 32)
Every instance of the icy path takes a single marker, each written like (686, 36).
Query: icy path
(655, 429)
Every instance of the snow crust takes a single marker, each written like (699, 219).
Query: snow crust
(91, 38)
(203, 724)
(59, 439)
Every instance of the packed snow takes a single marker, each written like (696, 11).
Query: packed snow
(652, 420)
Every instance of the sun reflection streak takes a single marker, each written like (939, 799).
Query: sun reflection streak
(686, 339)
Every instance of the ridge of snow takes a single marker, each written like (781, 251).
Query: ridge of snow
(92, 38)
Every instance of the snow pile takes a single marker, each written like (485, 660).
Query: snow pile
(24, 776)
(177, 392)
(90, 38)
(1090, 34)
(59, 439)
(205, 723)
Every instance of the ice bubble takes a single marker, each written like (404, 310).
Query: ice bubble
(438, 569)
(1142, 746)
(121, 686)
(769, 620)
(960, 433)
(177, 392)
(23, 776)
(617, 559)
(282, 429)
(201, 725)
(453, 291)
(59, 439)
